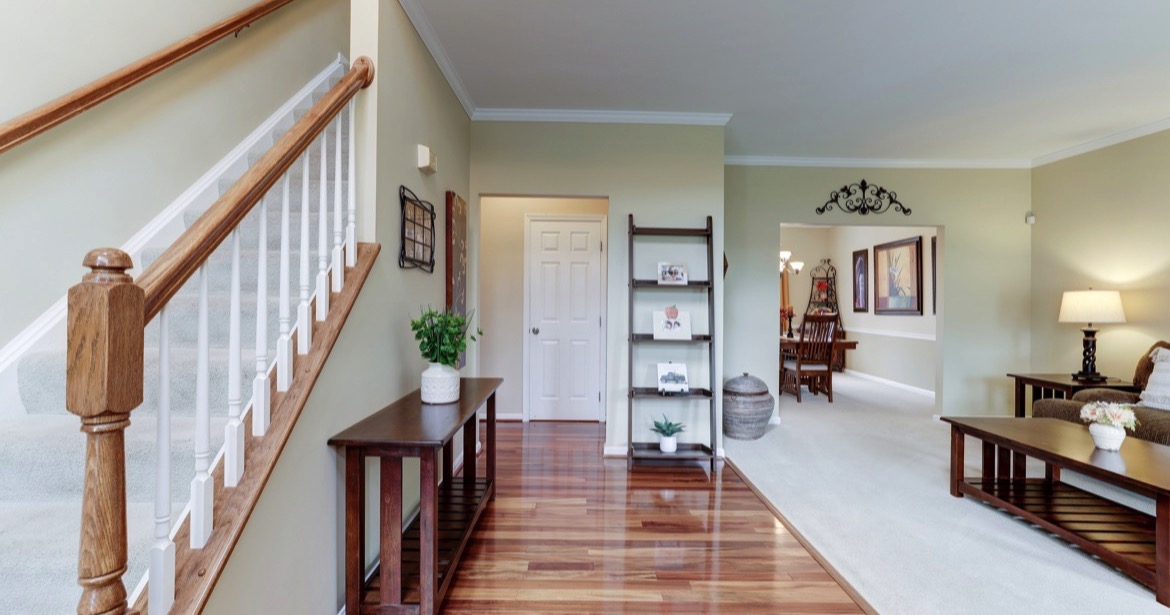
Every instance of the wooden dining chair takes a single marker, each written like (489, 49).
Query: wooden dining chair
(814, 357)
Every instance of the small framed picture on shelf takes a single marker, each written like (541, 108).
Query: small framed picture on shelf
(671, 324)
(672, 273)
(672, 378)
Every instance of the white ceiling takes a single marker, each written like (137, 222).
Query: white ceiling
(980, 83)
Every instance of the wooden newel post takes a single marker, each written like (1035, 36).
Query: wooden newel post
(103, 384)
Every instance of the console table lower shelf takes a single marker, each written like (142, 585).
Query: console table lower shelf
(459, 509)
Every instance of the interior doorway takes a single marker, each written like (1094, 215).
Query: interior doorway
(542, 298)
(898, 345)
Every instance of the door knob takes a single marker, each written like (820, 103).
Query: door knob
(536, 330)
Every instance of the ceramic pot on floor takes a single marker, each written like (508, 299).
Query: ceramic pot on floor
(1107, 437)
(440, 384)
(668, 444)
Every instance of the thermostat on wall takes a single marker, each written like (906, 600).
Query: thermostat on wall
(427, 161)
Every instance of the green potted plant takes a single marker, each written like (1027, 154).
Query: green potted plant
(442, 337)
(668, 430)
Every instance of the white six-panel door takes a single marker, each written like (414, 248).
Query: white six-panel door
(564, 297)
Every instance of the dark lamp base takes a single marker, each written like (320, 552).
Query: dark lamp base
(1089, 377)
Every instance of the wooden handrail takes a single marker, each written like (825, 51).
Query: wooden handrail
(179, 262)
(24, 127)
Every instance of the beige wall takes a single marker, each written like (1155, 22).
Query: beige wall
(501, 275)
(1101, 221)
(293, 545)
(101, 177)
(664, 175)
(985, 281)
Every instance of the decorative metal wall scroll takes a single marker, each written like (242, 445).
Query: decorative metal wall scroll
(863, 198)
(418, 232)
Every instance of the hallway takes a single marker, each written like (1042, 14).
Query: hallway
(570, 532)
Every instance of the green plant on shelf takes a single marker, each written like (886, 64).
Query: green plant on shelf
(667, 428)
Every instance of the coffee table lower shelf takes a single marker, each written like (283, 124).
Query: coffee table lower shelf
(459, 507)
(1119, 535)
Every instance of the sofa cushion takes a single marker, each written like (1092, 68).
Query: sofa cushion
(1145, 366)
(1153, 425)
(1157, 391)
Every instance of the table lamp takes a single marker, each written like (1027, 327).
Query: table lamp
(1091, 306)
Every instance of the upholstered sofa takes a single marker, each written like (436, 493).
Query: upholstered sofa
(1154, 425)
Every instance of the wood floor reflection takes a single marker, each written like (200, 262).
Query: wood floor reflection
(570, 532)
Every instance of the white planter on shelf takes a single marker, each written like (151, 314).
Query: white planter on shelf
(668, 444)
(1107, 437)
(440, 384)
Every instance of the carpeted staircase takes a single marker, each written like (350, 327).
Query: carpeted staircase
(42, 453)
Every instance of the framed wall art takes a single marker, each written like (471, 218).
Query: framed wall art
(672, 273)
(417, 250)
(897, 279)
(457, 259)
(934, 275)
(861, 280)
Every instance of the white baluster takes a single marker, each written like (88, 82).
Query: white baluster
(323, 233)
(338, 275)
(162, 553)
(233, 432)
(202, 488)
(304, 319)
(351, 229)
(260, 384)
(284, 349)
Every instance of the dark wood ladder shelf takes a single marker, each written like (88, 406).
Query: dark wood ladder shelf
(688, 452)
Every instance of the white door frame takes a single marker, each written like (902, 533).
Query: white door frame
(604, 220)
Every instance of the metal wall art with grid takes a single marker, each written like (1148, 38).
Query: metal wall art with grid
(418, 232)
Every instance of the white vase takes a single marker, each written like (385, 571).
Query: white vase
(668, 444)
(440, 384)
(1107, 437)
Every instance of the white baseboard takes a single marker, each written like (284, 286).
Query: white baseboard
(896, 385)
(775, 420)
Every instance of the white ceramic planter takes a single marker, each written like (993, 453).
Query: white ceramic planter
(440, 384)
(668, 444)
(1107, 437)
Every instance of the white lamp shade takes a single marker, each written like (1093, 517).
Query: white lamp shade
(1091, 306)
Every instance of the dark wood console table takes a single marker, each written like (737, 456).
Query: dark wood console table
(447, 512)
(1059, 386)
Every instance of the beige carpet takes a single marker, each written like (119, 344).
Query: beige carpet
(865, 479)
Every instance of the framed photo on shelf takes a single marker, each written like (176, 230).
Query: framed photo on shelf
(897, 284)
(672, 378)
(672, 273)
(671, 324)
(861, 280)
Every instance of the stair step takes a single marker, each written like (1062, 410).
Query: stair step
(219, 268)
(47, 370)
(43, 458)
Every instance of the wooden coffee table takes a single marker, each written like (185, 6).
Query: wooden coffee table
(1136, 543)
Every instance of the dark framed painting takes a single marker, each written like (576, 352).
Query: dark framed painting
(457, 257)
(934, 275)
(897, 279)
(861, 280)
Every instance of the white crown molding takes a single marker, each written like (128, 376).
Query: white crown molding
(422, 25)
(601, 116)
(877, 163)
(1103, 142)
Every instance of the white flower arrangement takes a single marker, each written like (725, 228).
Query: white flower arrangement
(1107, 413)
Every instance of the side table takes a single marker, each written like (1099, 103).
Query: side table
(1058, 386)
(448, 512)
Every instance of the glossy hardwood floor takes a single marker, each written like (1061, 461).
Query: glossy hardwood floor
(570, 532)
